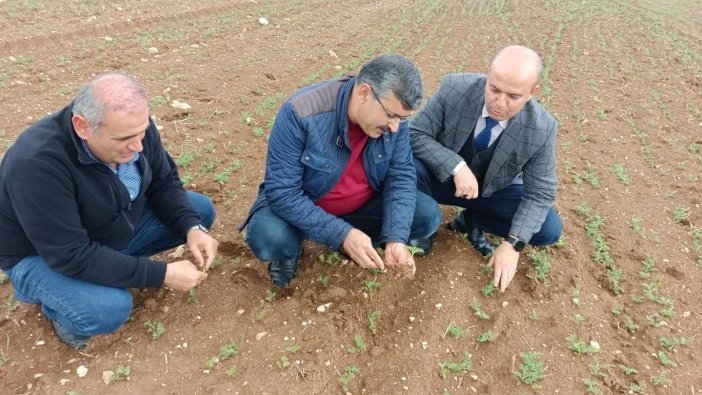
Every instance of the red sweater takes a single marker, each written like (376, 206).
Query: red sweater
(352, 190)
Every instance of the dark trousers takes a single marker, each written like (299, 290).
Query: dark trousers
(493, 214)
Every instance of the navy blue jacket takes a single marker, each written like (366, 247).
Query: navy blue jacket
(308, 150)
(74, 212)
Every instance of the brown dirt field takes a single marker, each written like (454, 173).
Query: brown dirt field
(623, 78)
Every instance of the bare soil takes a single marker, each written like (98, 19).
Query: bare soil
(623, 78)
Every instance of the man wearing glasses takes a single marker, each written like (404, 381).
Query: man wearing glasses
(483, 144)
(339, 172)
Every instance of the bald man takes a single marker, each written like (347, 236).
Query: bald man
(484, 144)
(87, 194)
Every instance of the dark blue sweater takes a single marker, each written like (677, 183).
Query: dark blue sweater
(58, 203)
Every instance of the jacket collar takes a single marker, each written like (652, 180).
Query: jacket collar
(342, 112)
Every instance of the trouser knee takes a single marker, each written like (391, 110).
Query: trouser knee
(104, 314)
(550, 231)
(204, 208)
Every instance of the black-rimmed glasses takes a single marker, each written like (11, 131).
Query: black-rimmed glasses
(388, 113)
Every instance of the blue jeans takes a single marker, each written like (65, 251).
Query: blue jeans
(493, 214)
(90, 309)
(271, 238)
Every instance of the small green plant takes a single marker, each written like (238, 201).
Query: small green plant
(284, 362)
(579, 347)
(349, 373)
(156, 102)
(542, 265)
(360, 344)
(629, 371)
(671, 342)
(270, 296)
(155, 329)
(592, 387)
(465, 365)
(598, 368)
(681, 214)
(333, 258)
(487, 337)
(637, 227)
(630, 324)
(533, 315)
(475, 305)
(225, 352)
(11, 304)
(192, 297)
(489, 289)
(454, 330)
(3, 277)
(216, 263)
(324, 280)
(371, 285)
(621, 174)
(231, 372)
(649, 266)
(373, 321)
(121, 373)
(575, 295)
(186, 159)
(531, 370)
(661, 378)
(617, 309)
(665, 359)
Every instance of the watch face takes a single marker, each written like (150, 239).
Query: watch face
(518, 244)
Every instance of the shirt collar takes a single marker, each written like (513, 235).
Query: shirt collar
(501, 123)
(90, 154)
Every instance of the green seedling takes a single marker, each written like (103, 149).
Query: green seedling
(630, 324)
(592, 387)
(415, 250)
(284, 362)
(650, 290)
(225, 352)
(3, 277)
(667, 312)
(598, 368)
(121, 373)
(487, 337)
(661, 379)
(671, 342)
(360, 344)
(629, 371)
(578, 318)
(489, 289)
(454, 330)
(371, 285)
(270, 296)
(324, 280)
(465, 365)
(531, 370)
(4, 359)
(373, 321)
(155, 329)
(649, 266)
(579, 347)
(216, 263)
(665, 360)
(636, 388)
(231, 371)
(333, 258)
(11, 304)
(349, 373)
(292, 349)
(192, 297)
(681, 214)
(542, 266)
(621, 174)
(475, 305)
(637, 227)
(534, 316)
(575, 295)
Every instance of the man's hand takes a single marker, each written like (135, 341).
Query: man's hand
(398, 254)
(359, 248)
(505, 261)
(182, 276)
(200, 242)
(466, 184)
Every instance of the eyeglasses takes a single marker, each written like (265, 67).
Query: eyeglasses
(388, 113)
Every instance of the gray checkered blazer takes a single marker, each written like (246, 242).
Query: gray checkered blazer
(525, 152)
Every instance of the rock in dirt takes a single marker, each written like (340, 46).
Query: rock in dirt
(261, 335)
(107, 376)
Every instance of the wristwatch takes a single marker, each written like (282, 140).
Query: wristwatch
(199, 226)
(517, 243)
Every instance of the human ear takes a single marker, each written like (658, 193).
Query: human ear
(81, 127)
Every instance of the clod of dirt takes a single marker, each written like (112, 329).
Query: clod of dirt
(333, 293)
(261, 335)
(107, 376)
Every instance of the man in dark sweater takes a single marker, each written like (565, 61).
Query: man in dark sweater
(87, 194)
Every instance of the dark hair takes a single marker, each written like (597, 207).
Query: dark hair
(394, 73)
(113, 91)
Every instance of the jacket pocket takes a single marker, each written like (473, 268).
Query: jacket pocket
(317, 170)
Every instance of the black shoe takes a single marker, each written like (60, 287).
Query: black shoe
(72, 339)
(282, 272)
(423, 244)
(477, 239)
(464, 225)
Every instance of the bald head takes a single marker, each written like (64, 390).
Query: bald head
(520, 62)
(513, 78)
(106, 93)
